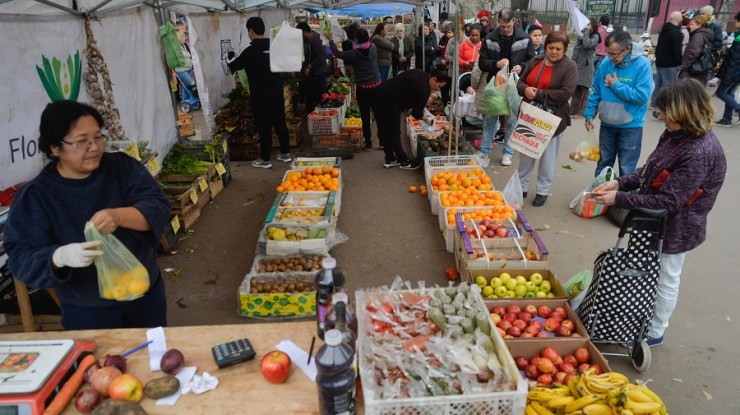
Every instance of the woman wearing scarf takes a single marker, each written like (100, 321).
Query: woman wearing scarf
(364, 60)
(470, 49)
(403, 50)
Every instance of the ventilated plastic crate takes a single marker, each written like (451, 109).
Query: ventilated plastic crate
(431, 171)
(322, 122)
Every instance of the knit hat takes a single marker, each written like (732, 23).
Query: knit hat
(645, 35)
(484, 13)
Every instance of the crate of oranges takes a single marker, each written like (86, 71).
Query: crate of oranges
(443, 179)
(313, 179)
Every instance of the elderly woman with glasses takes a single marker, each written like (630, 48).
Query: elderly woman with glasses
(403, 50)
(82, 184)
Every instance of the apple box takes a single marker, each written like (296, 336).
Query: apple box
(547, 275)
(551, 304)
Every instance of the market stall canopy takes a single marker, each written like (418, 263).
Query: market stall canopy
(367, 9)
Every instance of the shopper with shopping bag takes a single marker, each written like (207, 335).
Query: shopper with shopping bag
(548, 82)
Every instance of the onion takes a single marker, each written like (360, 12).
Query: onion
(103, 377)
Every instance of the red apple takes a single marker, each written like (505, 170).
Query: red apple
(557, 315)
(568, 377)
(521, 362)
(549, 353)
(513, 309)
(542, 334)
(597, 369)
(126, 387)
(514, 332)
(582, 355)
(560, 310)
(510, 316)
(552, 324)
(481, 229)
(557, 362)
(575, 334)
(532, 372)
(496, 318)
(583, 367)
(469, 230)
(570, 359)
(504, 325)
(567, 368)
(499, 310)
(569, 324)
(485, 222)
(562, 331)
(545, 365)
(501, 332)
(275, 366)
(502, 232)
(536, 323)
(490, 234)
(533, 360)
(87, 400)
(520, 324)
(524, 316)
(527, 335)
(532, 329)
(559, 378)
(543, 311)
(544, 379)
(531, 309)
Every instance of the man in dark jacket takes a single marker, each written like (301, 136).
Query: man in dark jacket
(508, 46)
(729, 73)
(266, 93)
(313, 71)
(408, 90)
(668, 54)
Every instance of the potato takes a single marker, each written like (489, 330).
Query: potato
(119, 407)
(161, 387)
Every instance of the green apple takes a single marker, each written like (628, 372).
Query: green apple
(531, 286)
(520, 290)
(536, 278)
(521, 280)
(530, 294)
(540, 294)
(496, 282)
(511, 283)
(487, 291)
(493, 296)
(545, 286)
(500, 291)
(505, 277)
(550, 295)
(510, 294)
(481, 281)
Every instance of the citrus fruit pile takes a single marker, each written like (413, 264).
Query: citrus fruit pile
(311, 178)
(474, 179)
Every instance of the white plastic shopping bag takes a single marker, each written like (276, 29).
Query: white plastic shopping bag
(289, 42)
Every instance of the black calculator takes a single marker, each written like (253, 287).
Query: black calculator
(233, 352)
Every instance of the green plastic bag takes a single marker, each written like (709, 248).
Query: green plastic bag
(578, 283)
(495, 99)
(121, 276)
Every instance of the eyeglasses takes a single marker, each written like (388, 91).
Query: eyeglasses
(614, 55)
(85, 144)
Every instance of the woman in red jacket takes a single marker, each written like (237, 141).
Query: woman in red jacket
(470, 49)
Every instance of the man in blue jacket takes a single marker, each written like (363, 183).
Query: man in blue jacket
(620, 95)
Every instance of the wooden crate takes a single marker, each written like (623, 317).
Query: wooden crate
(215, 187)
(180, 191)
(170, 234)
(243, 152)
(295, 132)
(187, 132)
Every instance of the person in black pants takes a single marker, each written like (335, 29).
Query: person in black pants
(363, 56)
(313, 71)
(409, 90)
(266, 93)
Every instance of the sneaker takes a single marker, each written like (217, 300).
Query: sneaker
(651, 342)
(392, 163)
(539, 200)
(483, 159)
(368, 147)
(499, 137)
(506, 160)
(723, 123)
(285, 158)
(261, 164)
(410, 165)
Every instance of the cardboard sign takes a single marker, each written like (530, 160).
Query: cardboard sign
(534, 130)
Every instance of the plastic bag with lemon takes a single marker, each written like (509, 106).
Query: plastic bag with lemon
(121, 277)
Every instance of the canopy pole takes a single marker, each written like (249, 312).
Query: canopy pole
(60, 7)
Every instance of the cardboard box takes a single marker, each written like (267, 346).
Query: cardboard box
(507, 253)
(277, 305)
(529, 348)
(538, 302)
(547, 275)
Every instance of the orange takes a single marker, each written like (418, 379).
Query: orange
(412, 189)
(280, 189)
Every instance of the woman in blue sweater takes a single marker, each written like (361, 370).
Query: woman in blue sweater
(45, 238)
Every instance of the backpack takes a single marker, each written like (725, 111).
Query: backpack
(704, 63)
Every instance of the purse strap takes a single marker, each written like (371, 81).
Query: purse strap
(537, 80)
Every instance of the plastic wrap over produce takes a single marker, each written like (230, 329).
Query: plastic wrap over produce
(278, 239)
(429, 342)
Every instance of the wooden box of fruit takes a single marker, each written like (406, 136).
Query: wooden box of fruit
(187, 195)
(278, 295)
(527, 319)
(547, 284)
(537, 361)
(408, 337)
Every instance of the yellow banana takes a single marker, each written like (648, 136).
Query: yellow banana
(647, 391)
(581, 402)
(559, 402)
(542, 395)
(637, 395)
(597, 409)
(572, 386)
(609, 378)
(598, 387)
(582, 389)
(562, 391)
(626, 412)
(541, 410)
(640, 408)
(528, 410)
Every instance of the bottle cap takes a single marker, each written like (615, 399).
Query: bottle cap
(333, 337)
(329, 263)
(340, 297)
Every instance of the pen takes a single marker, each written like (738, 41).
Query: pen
(310, 351)
(137, 348)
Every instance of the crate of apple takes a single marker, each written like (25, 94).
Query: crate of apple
(550, 367)
(487, 228)
(530, 321)
(506, 286)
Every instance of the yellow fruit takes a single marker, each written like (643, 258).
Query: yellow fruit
(120, 292)
(107, 293)
(138, 287)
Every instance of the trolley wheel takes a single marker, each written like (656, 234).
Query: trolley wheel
(641, 356)
(184, 107)
(196, 106)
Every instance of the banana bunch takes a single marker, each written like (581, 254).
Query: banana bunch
(590, 394)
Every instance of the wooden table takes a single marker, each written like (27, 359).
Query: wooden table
(241, 388)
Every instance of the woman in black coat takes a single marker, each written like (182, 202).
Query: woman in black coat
(426, 51)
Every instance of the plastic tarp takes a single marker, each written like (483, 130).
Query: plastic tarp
(369, 10)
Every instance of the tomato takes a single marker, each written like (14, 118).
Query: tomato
(451, 273)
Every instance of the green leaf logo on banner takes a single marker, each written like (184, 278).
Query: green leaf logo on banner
(61, 81)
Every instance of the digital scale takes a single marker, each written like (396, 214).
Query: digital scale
(33, 371)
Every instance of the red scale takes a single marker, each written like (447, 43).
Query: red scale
(33, 371)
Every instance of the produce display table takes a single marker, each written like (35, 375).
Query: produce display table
(240, 386)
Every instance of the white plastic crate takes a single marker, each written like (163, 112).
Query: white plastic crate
(511, 402)
(316, 162)
(431, 171)
(337, 199)
(320, 122)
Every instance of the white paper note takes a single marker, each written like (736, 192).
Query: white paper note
(157, 348)
(299, 357)
(185, 375)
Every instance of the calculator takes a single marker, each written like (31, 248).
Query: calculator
(233, 352)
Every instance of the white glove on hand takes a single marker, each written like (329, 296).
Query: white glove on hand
(77, 255)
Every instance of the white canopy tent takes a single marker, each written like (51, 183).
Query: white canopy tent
(40, 31)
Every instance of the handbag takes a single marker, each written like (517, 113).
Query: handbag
(704, 63)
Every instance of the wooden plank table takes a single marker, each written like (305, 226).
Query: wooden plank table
(242, 389)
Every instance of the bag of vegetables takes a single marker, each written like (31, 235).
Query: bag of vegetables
(495, 95)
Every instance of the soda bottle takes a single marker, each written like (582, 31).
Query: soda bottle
(335, 376)
(331, 316)
(348, 336)
(324, 290)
